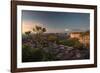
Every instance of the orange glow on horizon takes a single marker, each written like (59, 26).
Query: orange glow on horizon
(28, 26)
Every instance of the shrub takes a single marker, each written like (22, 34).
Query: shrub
(31, 54)
(71, 42)
(49, 57)
(52, 38)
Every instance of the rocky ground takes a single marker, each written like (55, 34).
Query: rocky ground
(60, 52)
(67, 53)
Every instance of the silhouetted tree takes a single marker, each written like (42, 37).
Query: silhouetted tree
(28, 33)
(39, 29)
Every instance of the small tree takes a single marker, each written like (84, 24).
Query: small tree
(39, 31)
(28, 33)
(43, 29)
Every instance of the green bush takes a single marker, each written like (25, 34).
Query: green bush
(52, 38)
(49, 57)
(35, 54)
(31, 54)
(71, 42)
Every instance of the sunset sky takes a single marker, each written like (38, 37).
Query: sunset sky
(55, 22)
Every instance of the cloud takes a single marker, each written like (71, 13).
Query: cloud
(67, 29)
(78, 30)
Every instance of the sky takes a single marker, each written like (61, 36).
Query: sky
(55, 22)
